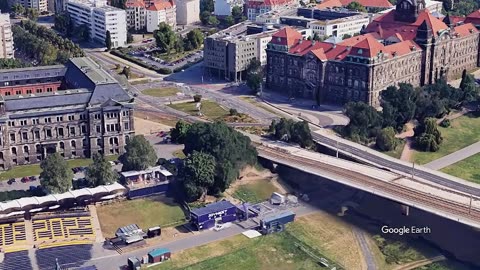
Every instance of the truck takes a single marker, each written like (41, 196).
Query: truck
(276, 222)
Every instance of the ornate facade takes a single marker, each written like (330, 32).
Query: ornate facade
(405, 45)
(89, 113)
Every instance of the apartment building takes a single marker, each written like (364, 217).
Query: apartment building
(6, 38)
(75, 109)
(188, 11)
(136, 14)
(40, 5)
(255, 8)
(100, 18)
(161, 11)
(228, 53)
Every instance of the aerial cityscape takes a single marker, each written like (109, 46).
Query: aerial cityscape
(239, 134)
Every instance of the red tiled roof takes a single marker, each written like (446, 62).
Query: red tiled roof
(387, 26)
(401, 48)
(286, 36)
(134, 3)
(161, 5)
(365, 3)
(369, 46)
(473, 18)
(465, 29)
(354, 40)
(320, 54)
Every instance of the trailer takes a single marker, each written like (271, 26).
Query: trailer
(134, 263)
(159, 255)
(276, 222)
(218, 212)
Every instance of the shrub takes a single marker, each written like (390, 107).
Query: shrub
(445, 123)
(233, 112)
(197, 98)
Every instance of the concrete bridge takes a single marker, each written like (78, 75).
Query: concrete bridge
(411, 192)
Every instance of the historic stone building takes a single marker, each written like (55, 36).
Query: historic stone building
(406, 45)
(76, 110)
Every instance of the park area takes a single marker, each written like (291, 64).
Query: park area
(463, 132)
(161, 92)
(145, 212)
(209, 109)
(466, 169)
(34, 169)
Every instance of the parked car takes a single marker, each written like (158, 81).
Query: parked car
(11, 181)
(25, 179)
(32, 178)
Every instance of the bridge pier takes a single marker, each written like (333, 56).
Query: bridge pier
(405, 210)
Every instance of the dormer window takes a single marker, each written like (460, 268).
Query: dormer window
(360, 51)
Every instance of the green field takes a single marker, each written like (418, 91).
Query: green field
(145, 212)
(209, 109)
(34, 169)
(445, 265)
(466, 169)
(463, 132)
(255, 192)
(276, 251)
(161, 92)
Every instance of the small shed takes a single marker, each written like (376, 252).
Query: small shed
(159, 255)
(206, 217)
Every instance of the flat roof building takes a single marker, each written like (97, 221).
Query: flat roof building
(6, 37)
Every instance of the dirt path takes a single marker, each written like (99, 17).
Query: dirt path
(367, 253)
(407, 135)
(420, 263)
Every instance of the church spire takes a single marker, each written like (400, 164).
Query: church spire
(408, 10)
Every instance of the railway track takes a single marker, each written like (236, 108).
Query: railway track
(412, 196)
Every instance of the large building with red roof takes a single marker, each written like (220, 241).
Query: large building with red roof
(147, 14)
(405, 45)
(370, 5)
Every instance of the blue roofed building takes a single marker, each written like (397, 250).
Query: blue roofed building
(83, 110)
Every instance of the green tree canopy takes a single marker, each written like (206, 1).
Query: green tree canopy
(356, 6)
(108, 40)
(139, 154)
(364, 123)
(231, 150)
(32, 13)
(385, 140)
(254, 74)
(100, 172)
(194, 39)
(18, 9)
(207, 5)
(204, 16)
(291, 131)
(198, 174)
(179, 132)
(470, 90)
(165, 37)
(427, 136)
(56, 176)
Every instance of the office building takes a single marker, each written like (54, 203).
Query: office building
(6, 37)
(188, 11)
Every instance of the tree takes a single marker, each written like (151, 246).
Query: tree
(213, 21)
(31, 14)
(447, 5)
(229, 21)
(346, 36)
(468, 87)
(364, 123)
(12, 63)
(427, 136)
(207, 5)
(108, 40)
(18, 10)
(231, 150)
(100, 172)
(401, 102)
(129, 37)
(195, 39)
(237, 13)
(139, 154)
(356, 6)
(165, 37)
(385, 140)
(204, 16)
(126, 71)
(464, 7)
(198, 173)
(197, 98)
(291, 131)
(179, 132)
(56, 176)
(63, 24)
(254, 74)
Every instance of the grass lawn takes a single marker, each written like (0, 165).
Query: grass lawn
(140, 82)
(466, 169)
(210, 109)
(34, 169)
(146, 212)
(397, 152)
(277, 251)
(463, 132)
(161, 92)
(155, 118)
(179, 154)
(172, 56)
(257, 191)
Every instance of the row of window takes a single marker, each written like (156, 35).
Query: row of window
(29, 91)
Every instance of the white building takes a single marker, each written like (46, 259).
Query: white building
(6, 38)
(188, 11)
(161, 11)
(40, 5)
(224, 7)
(340, 27)
(258, 7)
(100, 18)
(136, 14)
